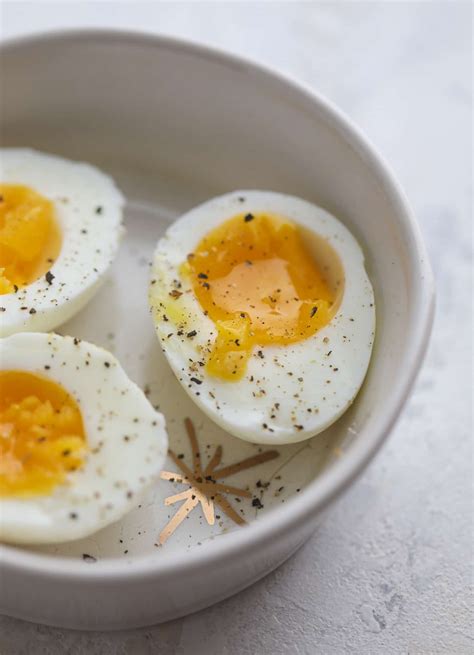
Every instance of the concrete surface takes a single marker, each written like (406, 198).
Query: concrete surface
(389, 570)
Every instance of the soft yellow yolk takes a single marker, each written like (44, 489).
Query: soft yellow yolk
(42, 436)
(260, 285)
(30, 239)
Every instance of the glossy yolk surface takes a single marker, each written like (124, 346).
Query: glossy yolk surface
(259, 284)
(30, 239)
(42, 436)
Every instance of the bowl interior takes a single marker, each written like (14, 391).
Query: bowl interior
(175, 127)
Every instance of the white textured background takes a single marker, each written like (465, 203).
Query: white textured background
(389, 571)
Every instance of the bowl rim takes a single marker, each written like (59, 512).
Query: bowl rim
(330, 483)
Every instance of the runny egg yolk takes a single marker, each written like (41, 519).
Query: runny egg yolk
(30, 239)
(260, 285)
(42, 436)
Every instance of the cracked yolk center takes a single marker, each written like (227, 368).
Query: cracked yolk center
(30, 239)
(260, 285)
(42, 435)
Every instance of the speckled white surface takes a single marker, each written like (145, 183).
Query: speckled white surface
(388, 571)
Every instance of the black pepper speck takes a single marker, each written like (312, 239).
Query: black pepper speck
(88, 558)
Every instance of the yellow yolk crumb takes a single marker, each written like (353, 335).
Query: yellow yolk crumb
(30, 239)
(42, 436)
(257, 281)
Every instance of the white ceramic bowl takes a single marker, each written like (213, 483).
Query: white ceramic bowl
(175, 124)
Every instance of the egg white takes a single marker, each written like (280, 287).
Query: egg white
(89, 211)
(289, 392)
(126, 437)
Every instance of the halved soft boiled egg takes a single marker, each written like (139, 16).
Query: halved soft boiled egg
(60, 227)
(79, 442)
(265, 312)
